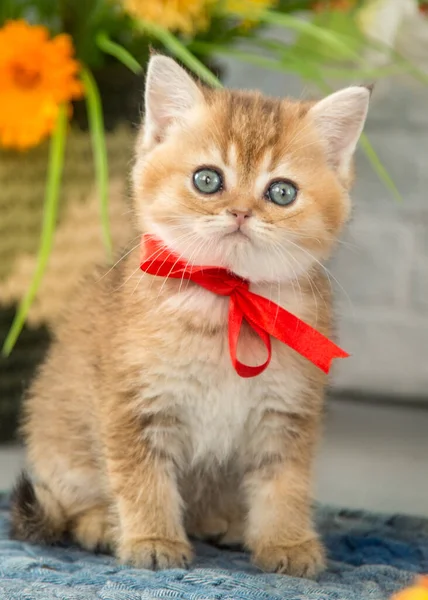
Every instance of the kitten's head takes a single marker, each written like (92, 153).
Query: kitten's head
(238, 180)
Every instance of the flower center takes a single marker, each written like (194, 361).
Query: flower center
(25, 77)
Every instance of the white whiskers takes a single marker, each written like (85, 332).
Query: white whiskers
(326, 270)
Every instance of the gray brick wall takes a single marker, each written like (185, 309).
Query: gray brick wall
(381, 267)
(386, 271)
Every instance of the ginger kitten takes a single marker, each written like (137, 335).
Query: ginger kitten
(138, 430)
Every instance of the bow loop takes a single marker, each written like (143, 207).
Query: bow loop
(263, 316)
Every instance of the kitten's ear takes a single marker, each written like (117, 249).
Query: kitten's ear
(170, 93)
(340, 119)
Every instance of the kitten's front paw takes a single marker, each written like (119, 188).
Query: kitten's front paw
(93, 531)
(302, 560)
(155, 554)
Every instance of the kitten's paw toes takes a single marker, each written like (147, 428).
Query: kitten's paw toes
(234, 535)
(92, 530)
(301, 560)
(156, 554)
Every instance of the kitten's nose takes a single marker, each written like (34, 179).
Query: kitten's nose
(240, 215)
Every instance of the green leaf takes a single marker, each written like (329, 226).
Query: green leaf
(12, 9)
(84, 20)
(298, 60)
(179, 50)
(339, 25)
(302, 68)
(378, 167)
(99, 148)
(323, 36)
(119, 52)
(55, 168)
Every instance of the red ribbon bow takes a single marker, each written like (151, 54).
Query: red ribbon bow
(263, 316)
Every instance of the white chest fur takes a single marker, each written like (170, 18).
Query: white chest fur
(218, 419)
(218, 409)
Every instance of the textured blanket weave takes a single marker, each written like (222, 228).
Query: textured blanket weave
(371, 556)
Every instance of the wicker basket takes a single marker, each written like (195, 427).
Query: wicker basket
(78, 242)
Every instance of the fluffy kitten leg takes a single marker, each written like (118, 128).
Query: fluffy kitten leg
(142, 478)
(45, 510)
(279, 530)
(93, 529)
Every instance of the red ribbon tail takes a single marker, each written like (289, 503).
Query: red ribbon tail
(331, 353)
(290, 330)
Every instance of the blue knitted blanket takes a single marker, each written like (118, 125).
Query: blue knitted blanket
(370, 557)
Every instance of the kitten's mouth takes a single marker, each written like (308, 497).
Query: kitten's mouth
(237, 234)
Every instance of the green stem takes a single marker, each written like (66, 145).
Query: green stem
(378, 166)
(99, 148)
(180, 51)
(254, 59)
(119, 52)
(55, 168)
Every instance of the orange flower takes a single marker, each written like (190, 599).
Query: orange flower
(418, 591)
(37, 74)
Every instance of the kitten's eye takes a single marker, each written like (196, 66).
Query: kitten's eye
(282, 192)
(207, 181)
